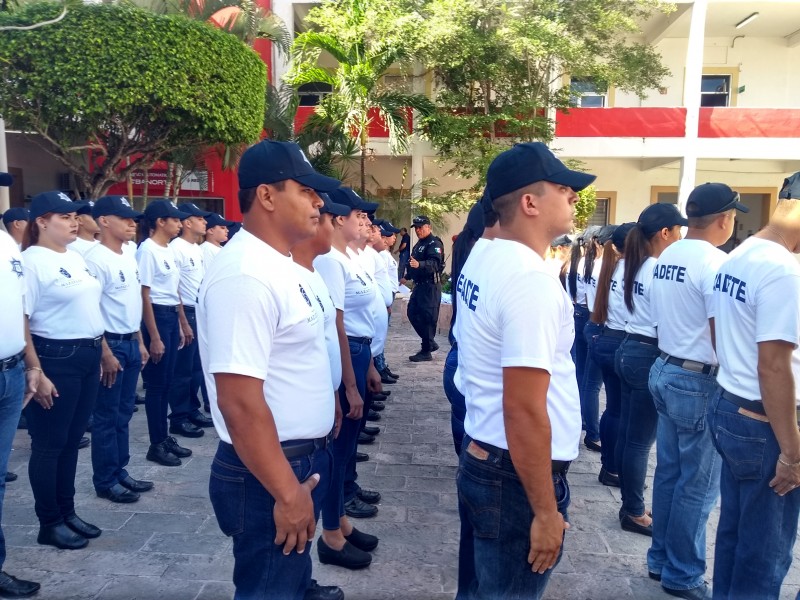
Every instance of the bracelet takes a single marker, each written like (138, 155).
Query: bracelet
(787, 464)
(34, 369)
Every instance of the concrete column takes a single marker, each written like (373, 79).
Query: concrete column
(5, 202)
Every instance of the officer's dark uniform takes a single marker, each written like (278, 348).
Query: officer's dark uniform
(423, 307)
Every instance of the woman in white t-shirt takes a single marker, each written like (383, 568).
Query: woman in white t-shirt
(658, 226)
(164, 326)
(63, 307)
(216, 235)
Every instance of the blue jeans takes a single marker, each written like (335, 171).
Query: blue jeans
(344, 447)
(637, 425)
(590, 378)
(158, 376)
(602, 349)
(112, 413)
(243, 508)
(12, 389)
(458, 412)
(686, 483)
(500, 514)
(56, 432)
(757, 528)
(186, 361)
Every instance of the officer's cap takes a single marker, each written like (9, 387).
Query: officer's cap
(332, 208)
(656, 217)
(115, 205)
(348, 197)
(713, 198)
(388, 230)
(191, 209)
(16, 214)
(420, 220)
(56, 202)
(269, 162)
(163, 209)
(215, 220)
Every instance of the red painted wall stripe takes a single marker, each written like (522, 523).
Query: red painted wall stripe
(622, 122)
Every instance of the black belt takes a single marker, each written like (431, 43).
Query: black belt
(12, 361)
(188, 309)
(558, 467)
(82, 342)
(614, 333)
(297, 448)
(120, 337)
(165, 308)
(644, 339)
(359, 340)
(691, 365)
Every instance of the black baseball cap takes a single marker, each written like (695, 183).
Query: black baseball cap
(191, 209)
(605, 234)
(562, 240)
(6, 179)
(657, 216)
(528, 163)
(164, 209)
(269, 162)
(349, 198)
(117, 206)
(420, 220)
(16, 214)
(56, 202)
(620, 233)
(215, 220)
(712, 198)
(791, 188)
(332, 208)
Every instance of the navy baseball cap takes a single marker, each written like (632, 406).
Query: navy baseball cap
(16, 214)
(332, 208)
(605, 234)
(215, 220)
(420, 220)
(388, 229)
(193, 210)
(528, 163)
(269, 162)
(791, 188)
(163, 209)
(591, 232)
(713, 198)
(475, 222)
(348, 197)
(117, 206)
(56, 202)
(562, 240)
(620, 233)
(233, 229)
(657, 216)
(6, 179)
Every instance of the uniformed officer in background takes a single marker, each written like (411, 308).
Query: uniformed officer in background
(425, 268)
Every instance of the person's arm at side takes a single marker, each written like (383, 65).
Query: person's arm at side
(713, 333)
(157, 347)
(37, 385)
(348, 374)
(184, 329)
(142, 350)
(109, 365)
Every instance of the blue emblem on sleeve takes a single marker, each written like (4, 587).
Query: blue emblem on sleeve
(16, 267)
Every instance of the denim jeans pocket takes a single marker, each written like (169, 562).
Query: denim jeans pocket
(55, 351)
(113, 343)
(561, 488)
(302, 467)
(227, 493)
(481, 496)
(687, 408)
(744, 455)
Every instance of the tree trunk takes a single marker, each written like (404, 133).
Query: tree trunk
(168, 182)
(363, 168)
(145, 185)
(176, 187)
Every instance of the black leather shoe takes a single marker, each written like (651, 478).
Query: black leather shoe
(362, 457)
(137, 485)
(628, 524)
(82, 528)
(117, 493)
(389, 372)
(382, 396)
(434, 346)
(702, 592)
(371, 430)
(348, 557)
(654, 576)
(591, 444)
(369, 496)
(138, 399)
(364, 438)
(609, 479)
(186, 429)
(84, 443)
(387, 380)
(358, 509)
(158, 453)
(377, 405)
(362, 541)
(200, 420)
(171, 444)
(135, 408)
(62, 537)
(11, 587)
(316, 591)
(11, 476)
(421, 357)
(373, 416)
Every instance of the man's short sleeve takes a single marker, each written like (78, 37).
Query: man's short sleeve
(147, 267)
(777, 309)
(333, 274)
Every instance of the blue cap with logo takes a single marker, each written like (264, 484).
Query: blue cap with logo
(215, 220)
(332, 208)
(712, 198)
(348, 197)
(656, 217)
(269, 162)
(56, 202)
(164, 209)
(117, 206)
(193, 210)
(387, 229)
(528, 163)
(420, 220)
(16, 214)
(620, 233)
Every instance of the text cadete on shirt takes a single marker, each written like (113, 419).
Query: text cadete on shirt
(733, 286)
(468, 292)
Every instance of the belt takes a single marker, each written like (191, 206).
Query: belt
(188, 309)
(164, 308)
(559, 467)
(644, 339)
(751, 408)
(120, 337)
(297, 448)
(359, 340)
(12, 361)
(691, 365)
(82, 342)
(614, 333)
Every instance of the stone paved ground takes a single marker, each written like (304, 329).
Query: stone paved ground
(167, 546)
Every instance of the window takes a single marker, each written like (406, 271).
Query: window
(715, 90)
(667, 197)
(586, 93)
(311, 94)
(600, 214)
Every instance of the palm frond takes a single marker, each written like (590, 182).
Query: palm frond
(313, 42)
(313, 75)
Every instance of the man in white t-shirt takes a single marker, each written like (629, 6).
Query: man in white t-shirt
(15, 220)
(753, 418)
(683, 382)
(515, 329)
(267, 370)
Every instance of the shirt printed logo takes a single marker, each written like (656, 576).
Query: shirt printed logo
(319, 302)
(64, 197)
(191, 261)
(89, 273)
(65, 273)
(364, 283)
(166, 265)
(137, 276)
(16, 267)
(121, 276)
(305, 296)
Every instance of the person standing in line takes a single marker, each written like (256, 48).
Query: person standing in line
(262, 344)
(216, 236)
(87, 229)
(425, 267)
(658, 226)
(66, 328)
(388, 233)
(123, 355)
(403, 254)
(15, 220)
(523, 421)
(164, 326)
(753, 417)
(683, 382)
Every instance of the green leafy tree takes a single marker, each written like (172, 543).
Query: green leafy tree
(585, 206)
(126, 87)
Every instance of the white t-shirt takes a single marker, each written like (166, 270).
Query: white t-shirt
(513, 313)
(351, 290)
(618, 313)
(130, 248)
(318, 292)
(591, 283)
(209, 252)
(642, 320)
(255, 318)
(381, 275)
(118, 274)
(82, 246)
(391, 269)
(62, 296)
(159, 271)
(12, 299)
(682, 299)
(189, 258)
(580, 285)
(756, 299)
